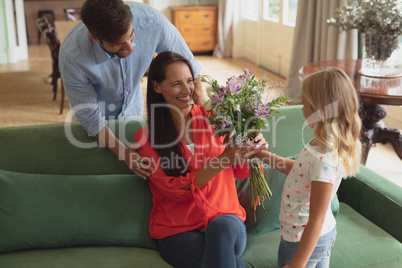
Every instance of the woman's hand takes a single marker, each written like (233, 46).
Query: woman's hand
(234, 154)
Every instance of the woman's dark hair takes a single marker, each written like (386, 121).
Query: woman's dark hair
(162, 130)
(107, 20)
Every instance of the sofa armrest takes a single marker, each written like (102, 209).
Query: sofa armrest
(376, 198)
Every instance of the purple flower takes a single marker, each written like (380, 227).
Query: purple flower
(225, 123)
(262, 111)
(241, 80)
(247, 74)
(223, 91)
(216, 99)
(233, 86)
(250, 106)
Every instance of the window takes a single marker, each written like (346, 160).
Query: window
(272, 8)
(251, 9)
(272, 11)
(267, 33)
(290, 12)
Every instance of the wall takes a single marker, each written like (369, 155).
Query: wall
(32, 8)
(31, 12)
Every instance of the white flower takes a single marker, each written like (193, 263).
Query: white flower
(208, 89)
(236, 107)
(210, 94)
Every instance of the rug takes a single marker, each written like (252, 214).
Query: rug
(26, 98)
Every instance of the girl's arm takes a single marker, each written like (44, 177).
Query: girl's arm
(281, 164)
(319, 202)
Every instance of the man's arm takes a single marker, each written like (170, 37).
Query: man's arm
(137, 164)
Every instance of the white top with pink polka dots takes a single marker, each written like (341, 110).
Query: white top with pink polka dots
(309, 166)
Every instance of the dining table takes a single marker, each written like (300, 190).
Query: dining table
(63, 27)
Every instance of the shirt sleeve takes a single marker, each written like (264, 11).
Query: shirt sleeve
(323, 169)
(241, 171)
(171, 40)
(168, 186)
(82, 96)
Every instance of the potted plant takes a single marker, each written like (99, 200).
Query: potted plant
(381, 23)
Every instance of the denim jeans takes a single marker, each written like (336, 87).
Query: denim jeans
(318, 259)
(221, 245)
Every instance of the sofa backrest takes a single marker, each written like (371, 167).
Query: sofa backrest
(60, 149)
(66, 148)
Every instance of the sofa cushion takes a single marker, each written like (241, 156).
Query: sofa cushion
(361, 243)
(376, 198)
(49, 211)
(84, 257)
(267, 219)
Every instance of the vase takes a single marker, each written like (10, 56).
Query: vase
(380, 59)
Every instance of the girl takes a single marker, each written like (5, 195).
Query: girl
(308, 231)
(196, 218)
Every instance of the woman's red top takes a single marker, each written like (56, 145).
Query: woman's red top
(177, 211)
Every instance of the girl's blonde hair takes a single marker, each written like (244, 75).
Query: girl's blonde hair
(336, 121)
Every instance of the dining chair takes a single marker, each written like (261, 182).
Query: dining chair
(52, 39)
(73, 14)
(41, 13)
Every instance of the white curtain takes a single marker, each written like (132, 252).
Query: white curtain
(224, 47)
(315, 41)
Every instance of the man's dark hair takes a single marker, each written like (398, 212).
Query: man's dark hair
(107, 20)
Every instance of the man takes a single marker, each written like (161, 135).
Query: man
(102, 61)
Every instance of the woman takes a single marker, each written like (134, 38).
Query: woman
(196, 218)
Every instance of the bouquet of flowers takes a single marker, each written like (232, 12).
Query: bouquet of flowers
(237, 112)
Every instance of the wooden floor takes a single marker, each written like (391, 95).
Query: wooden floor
(382, 158)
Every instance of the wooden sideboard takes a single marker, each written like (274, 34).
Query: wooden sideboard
(197, 25)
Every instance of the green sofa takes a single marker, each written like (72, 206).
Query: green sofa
(66, 202)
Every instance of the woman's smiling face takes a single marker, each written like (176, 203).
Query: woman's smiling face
(178, 87)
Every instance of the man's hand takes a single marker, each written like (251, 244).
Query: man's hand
(142, 166)
(198, 95)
